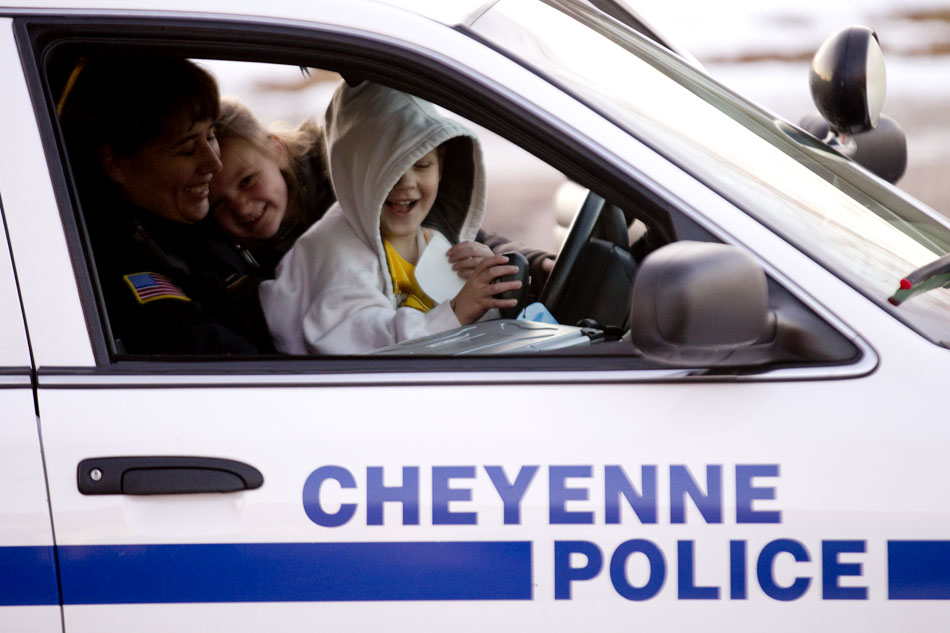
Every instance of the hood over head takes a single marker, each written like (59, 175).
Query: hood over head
(375, 134)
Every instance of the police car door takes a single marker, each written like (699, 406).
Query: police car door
(205, 496)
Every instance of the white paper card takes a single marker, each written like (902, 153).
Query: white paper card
(434, 273)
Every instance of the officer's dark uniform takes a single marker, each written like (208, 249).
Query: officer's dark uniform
(173, 288)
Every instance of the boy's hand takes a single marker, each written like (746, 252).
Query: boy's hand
(477, 296)
(466, 256)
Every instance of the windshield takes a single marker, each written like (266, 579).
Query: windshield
(868, 233)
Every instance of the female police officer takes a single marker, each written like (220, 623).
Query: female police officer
(141, 138)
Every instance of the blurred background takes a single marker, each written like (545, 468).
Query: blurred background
(761, 49)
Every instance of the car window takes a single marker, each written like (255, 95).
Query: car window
(530, 202)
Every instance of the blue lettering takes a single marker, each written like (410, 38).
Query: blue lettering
(687, 589)
(832, 569)
(564, 574)
(767, 578)
(511, 493)
(559, 494)
(746, 493)
(311, 496)
(618, 569)
(407, 494)
(616, 483)
(442, 494)
(621, 494)
(737, 571)
(682, 484)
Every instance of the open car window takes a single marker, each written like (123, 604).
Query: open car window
(540, 194)
(530, 207)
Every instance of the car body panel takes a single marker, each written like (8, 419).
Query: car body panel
(29, 595)
(51, 304)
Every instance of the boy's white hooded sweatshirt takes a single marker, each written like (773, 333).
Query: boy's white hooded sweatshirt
(333, 293)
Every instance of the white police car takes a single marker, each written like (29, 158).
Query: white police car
(768, 452)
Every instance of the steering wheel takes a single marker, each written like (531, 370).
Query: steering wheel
(581, 231)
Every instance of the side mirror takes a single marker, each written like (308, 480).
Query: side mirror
(848, 83)
(697, 303)
(848, 80)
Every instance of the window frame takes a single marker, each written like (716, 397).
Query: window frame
(371, 56)
(16, 357)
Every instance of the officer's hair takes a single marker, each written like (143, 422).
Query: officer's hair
(126, 101)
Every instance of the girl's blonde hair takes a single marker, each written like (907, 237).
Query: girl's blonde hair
(237, 123)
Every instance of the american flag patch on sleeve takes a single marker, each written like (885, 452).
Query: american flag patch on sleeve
(152, 286)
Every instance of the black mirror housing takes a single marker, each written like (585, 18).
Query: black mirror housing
(696, 303)
(848, 80)
(848, 83)
(882, 150)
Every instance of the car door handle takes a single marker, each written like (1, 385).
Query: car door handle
(151, 475)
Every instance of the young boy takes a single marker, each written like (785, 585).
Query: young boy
(401, 173)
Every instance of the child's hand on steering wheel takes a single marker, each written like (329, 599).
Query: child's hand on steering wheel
(477, 296)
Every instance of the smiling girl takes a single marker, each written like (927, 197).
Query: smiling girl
(273, 185)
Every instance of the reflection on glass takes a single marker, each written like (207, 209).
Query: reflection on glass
(866, 232)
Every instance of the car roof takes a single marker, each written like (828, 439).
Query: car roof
(450, 13)
(454, 12)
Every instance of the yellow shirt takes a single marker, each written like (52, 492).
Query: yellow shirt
(405, 286)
